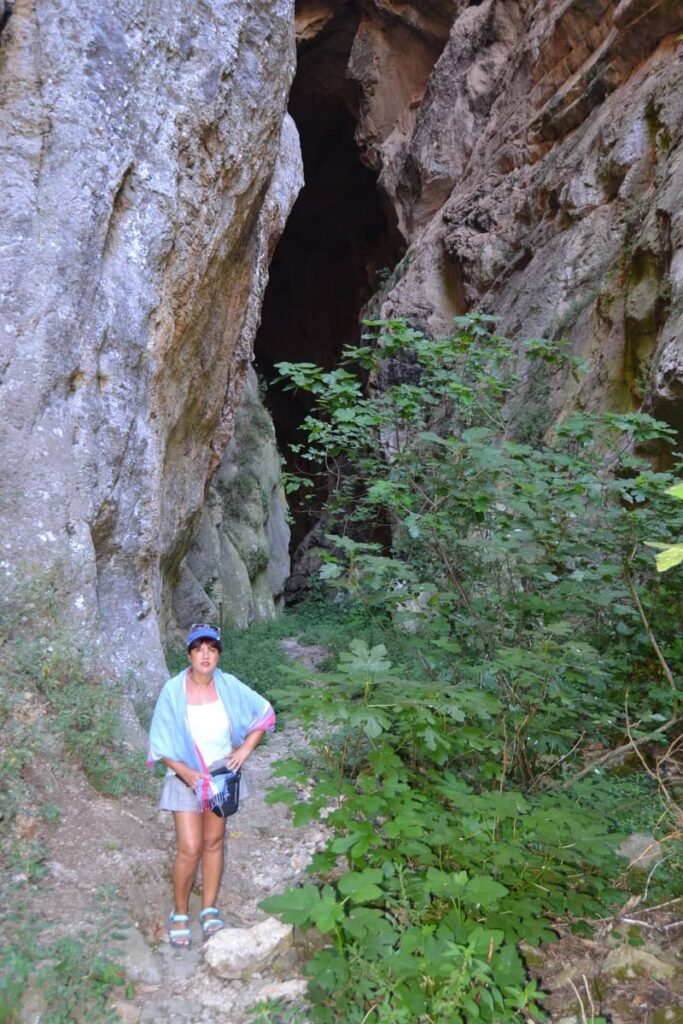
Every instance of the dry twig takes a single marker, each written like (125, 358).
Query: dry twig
(653, 641)
(585, 1019)
(613, 755)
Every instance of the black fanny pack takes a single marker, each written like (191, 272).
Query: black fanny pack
(229, 798)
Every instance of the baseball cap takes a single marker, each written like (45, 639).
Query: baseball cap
(203, 631)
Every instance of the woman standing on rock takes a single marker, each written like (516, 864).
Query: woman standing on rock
(204, 720)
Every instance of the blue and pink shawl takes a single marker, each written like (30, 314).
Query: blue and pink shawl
(170, 736)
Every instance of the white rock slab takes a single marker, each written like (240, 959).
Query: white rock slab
(641, 850)
(239, 952)
(288, 991)
(136, 958)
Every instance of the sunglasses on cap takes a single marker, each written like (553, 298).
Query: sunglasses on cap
(211, 630)
(203, 631)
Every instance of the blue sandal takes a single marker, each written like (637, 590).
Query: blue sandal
(213, 924)
(179, 938)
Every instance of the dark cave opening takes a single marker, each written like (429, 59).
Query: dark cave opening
(338, 239)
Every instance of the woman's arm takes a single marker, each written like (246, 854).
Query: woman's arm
(187, 774)
(238, 756)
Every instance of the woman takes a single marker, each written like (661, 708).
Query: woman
(204, 719)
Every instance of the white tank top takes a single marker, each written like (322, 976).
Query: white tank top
(210, 728)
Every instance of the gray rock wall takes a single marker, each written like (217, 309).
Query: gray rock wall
(532, 154)
(138, 142)
(543, 181)
(236, 568)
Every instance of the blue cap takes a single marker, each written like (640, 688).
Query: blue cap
(203, 631)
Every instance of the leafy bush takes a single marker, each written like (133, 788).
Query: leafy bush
(516, 597)
(513, 566)
(443, 877)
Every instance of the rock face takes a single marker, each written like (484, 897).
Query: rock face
(140, 206)
(237, 565)
(531, 153)
(528, 155)
(238, 561)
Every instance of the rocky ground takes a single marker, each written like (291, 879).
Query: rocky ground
(608, 977)
(127, 847)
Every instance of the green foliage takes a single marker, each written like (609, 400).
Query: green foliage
(73, 977)
(55, 708)
(669, 555)
(436, 866)
(443, 878)
(505, 597)
(518, 556)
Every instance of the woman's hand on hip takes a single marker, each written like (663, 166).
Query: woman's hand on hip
(237, 757)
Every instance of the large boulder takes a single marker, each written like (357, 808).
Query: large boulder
(139, 209)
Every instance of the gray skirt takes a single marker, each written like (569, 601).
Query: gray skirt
(176, 796)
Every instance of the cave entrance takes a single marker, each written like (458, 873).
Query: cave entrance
(337, 241)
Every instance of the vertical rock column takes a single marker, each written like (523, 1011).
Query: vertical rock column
(238, 563)
(139, 141)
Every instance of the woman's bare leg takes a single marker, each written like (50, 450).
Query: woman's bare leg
(188, 827)
(213, 836)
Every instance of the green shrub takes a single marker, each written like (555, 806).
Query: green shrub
(510, 564)
(444, 877)
(516, 597)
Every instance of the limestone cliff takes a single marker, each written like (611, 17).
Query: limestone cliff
(524, 155)
(237, 559)
(531, 152)
(139, 142)
(237, 565)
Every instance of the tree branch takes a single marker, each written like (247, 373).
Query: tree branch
(611, 755)
(653, 640)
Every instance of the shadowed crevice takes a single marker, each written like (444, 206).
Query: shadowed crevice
(338, 241)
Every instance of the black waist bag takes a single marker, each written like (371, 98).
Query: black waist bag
(228, 800)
